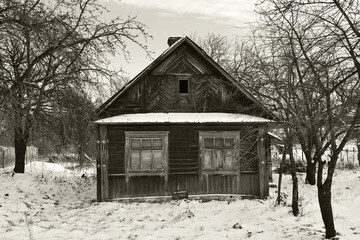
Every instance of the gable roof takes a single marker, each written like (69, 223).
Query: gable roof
(168, 52)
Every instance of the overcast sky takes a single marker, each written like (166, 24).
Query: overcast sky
(165, 18)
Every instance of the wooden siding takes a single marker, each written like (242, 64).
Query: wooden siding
(157, 91)
(102, 164)
(166, 93)
(183, 150)
(116, 163)
(143, 186)
(184, 60)
(248, 149)
(262, 162)
(184, 163)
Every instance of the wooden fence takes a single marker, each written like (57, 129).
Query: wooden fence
(7, 155)
(348, 158)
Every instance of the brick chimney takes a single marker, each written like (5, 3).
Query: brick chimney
(172, 40)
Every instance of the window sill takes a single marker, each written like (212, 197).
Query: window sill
(220, 172)
(146, 174)
(248, 172)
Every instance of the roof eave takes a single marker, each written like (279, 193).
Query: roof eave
(183, 123)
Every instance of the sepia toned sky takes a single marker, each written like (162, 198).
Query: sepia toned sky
(165, 18)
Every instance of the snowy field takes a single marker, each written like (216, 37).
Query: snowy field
(50, 202)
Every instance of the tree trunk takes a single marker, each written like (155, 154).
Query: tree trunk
(280, 176)
(295, 189)
(310, 172)
(324, 197)
(295, 194)
(21, 140)
(358, 149)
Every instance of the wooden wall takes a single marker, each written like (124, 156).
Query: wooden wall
(184, 163)
(140, 186)
(157, 91)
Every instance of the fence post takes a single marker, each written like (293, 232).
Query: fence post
(27, 155)
(353, 157)
(3, 158)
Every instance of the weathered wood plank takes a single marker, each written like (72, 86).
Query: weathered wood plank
(103, 160)
(142, 186)
(98, 165)
(262, 162)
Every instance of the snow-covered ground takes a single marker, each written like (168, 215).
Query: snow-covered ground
(50, 202)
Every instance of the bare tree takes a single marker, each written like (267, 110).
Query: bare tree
(321, 95)
(218, 47)
(50, 49)
(70, 124)
(241, 59)
(233, 55)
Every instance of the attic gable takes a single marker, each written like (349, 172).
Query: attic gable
(155, 89)
(183, 60)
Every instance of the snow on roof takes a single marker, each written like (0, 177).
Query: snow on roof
(183, 118)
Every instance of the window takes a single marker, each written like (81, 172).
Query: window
(219, 150)
(146, 152)
(183, 86)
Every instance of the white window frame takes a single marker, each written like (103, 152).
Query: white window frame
(145, 135)
(234, 169)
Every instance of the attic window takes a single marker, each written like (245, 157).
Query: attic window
(183, 86)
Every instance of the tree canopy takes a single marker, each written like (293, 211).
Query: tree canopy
(50, 49)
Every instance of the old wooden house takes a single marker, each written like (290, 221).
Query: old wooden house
(182, 124)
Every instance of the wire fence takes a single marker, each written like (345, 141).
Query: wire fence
(7, 156)
(348, 158)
